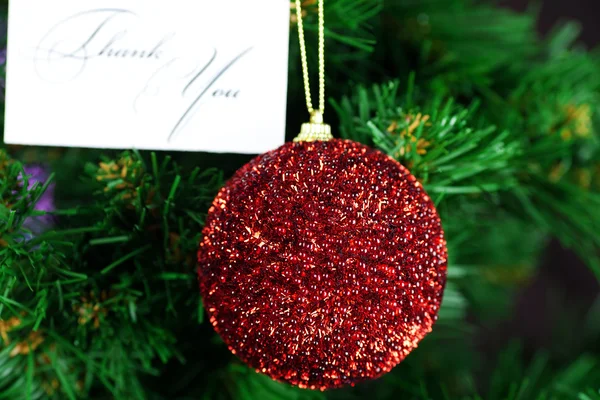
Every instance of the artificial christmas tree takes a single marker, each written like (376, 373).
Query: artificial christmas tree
(498, 125)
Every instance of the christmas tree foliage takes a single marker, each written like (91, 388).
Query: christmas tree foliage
(99, 296)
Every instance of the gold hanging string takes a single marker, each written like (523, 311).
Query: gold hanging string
(316, 129)
(309, 105)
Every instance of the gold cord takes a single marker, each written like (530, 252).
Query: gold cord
(316, 129)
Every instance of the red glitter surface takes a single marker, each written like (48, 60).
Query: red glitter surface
(322, 264)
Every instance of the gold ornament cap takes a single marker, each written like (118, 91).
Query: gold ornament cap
(315, 130)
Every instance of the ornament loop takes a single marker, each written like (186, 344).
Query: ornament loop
(316, 129)
(316, 117)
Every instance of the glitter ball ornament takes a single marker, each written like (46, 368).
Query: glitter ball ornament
(322, 263)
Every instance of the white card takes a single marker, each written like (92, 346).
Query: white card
(198, 75)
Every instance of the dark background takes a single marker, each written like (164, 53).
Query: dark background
(587, 12)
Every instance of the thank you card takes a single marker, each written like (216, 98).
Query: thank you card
(196, 75)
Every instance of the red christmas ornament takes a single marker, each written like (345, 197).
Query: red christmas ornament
(322, 264)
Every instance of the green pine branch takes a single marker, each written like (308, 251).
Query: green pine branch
(93, 304)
